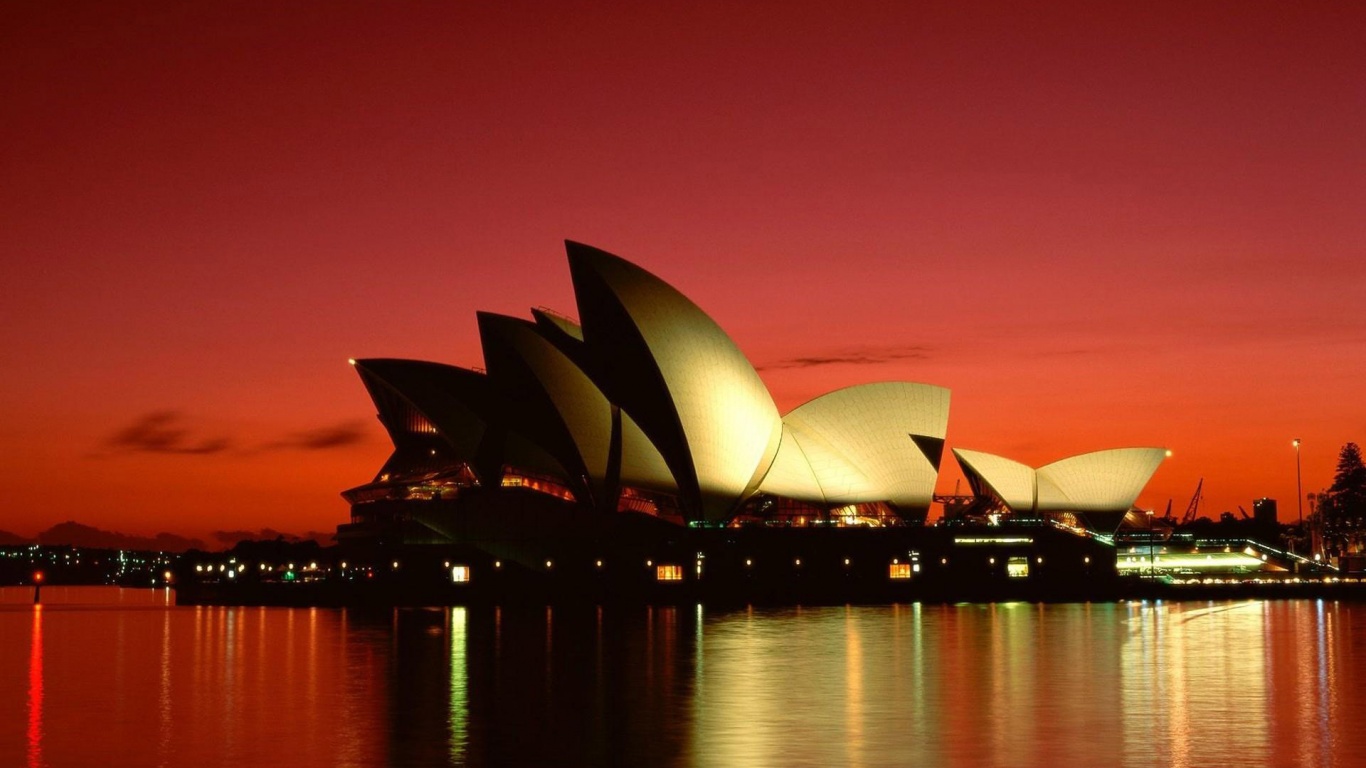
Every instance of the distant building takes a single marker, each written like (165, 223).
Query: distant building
(1264, 511)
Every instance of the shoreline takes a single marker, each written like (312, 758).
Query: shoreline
(335, 595)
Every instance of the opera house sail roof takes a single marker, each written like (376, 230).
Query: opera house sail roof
(646, 404)
(1102, 485)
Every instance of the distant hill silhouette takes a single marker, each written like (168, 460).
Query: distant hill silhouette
(74, 534)
(229, 539)
(8, 539)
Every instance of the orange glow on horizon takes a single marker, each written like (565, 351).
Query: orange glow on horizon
(1099, 226)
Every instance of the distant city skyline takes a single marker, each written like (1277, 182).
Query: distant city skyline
(1098, 226)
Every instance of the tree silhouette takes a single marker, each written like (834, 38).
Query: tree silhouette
(1351, 473)
(1344, 504)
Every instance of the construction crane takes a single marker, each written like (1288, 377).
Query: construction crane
(1246, 516)
(1194, 506)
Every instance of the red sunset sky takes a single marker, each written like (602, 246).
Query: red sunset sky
(1098, 225)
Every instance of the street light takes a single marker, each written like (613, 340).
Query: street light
(1299, 485)
(1152, 555)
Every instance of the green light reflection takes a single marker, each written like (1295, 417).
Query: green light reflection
(458, 719)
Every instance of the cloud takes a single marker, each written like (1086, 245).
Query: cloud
(169, 432)
(325, 438)
(164, 432)
(852, 357)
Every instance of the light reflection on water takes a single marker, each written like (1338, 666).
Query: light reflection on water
(35, 690)
(120, 677)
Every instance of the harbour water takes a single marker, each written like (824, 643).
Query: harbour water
(110, 677)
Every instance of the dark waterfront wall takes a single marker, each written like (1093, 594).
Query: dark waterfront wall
(671, 564)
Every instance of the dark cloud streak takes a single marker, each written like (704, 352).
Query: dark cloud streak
(169, 433)
(852, 357)
(325, 438)
(164, 432)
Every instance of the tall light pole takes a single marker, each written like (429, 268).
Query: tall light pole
(1299, 485)
(1152, 554)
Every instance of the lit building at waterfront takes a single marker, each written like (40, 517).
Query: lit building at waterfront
(642, 420)
(646, 405)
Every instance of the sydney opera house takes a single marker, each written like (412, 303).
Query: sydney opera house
(640, 432)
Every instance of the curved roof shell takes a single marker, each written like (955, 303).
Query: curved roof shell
(467, 413)
(860, 447)
(559, 407)
(791, 475)
(1107, 481)
(1008, 480)
(1102, 481)
(679, 376)
(454, 401)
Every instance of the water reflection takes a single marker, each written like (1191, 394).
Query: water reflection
(575, 684)
(35, 690)
(1137, 684)
(164, 708)
(458, 733)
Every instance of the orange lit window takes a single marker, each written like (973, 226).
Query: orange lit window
(668, 573)
(460, 574)
(541, 485)
(899, 571)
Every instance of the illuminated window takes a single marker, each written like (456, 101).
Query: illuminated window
(899, 571)
(460, 573)
(975, 540)
(541, 484)
(1017, 567)
(668, 573)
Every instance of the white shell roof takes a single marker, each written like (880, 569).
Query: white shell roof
(1012, 481)
(584, 409)
(791, 475)
(580, 404)
(728, 419)
(857, 441)
(641, 464)
(1101, 481)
